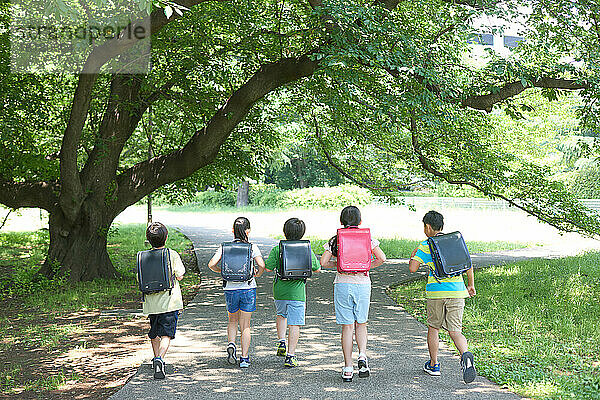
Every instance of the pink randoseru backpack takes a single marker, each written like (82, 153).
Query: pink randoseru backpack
(354, 250)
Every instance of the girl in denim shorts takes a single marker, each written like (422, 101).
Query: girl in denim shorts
(240, 297)
(352, 295)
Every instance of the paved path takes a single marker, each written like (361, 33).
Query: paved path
(197, 368)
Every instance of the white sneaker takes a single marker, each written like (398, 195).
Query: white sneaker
(363, 368)
(347, 373)
(231, 357)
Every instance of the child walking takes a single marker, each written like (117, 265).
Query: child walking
(163, 307)
(352, 296)
(445, 302)
(240, 297)
(290, 296)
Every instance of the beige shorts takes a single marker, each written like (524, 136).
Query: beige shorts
(445, 313)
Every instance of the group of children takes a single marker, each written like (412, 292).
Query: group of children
(352, 294)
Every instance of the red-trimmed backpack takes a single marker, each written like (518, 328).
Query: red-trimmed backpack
(354, 250)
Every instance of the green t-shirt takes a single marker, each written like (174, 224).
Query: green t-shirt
(293, 289)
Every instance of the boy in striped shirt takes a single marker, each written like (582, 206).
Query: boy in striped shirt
(445, 302)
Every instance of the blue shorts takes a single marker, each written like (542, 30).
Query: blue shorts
(164, 324)
(241, 299)
(351, 302)
(293, 310)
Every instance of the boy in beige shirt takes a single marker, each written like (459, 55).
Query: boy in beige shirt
(163, 307)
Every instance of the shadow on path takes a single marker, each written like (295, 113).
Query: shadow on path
(197, 367)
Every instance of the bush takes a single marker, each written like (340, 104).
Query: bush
(269, 196)
(333, 197)
(584, 184)
(266, 196)
(213, 198)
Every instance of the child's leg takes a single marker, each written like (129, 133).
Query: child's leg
(232, 326)
(433, 343)
(281, 327)
(460, 341)
(155, 345)
(245, 330)
(454, 315)
(165, 341)
(347, 343)
(293, 336)
(361, 338)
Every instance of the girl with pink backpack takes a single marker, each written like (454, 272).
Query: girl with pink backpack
(355, 252)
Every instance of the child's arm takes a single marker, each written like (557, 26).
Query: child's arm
(261, 266)
(316, 265)
(414, 264)
(214, 261)
(471, 282)
(326, 261)
(380, 257)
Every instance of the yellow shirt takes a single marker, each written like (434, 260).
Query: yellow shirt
(162, 302)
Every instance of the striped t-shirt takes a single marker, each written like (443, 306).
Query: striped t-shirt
(446, 288)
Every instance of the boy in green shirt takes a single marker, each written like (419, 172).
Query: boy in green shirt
(290, 296)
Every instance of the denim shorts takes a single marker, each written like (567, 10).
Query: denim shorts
(164, 324)
(293, 310)
(351, 302)
(241, 299)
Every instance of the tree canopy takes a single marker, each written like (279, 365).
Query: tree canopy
(387, 91)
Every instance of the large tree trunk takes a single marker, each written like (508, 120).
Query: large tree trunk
(243, 195)
(79, 250)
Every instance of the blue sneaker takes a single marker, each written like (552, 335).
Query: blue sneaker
(433, 371)
(467, 363)
(244, 362)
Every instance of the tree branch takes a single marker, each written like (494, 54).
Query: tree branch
(486, 102)
(428, 166)
(350, 176)
(29, 194)
(72, 193)
(6, 217)
(123, 112)
(143, 178)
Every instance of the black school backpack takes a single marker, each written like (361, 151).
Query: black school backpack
(236, 262)
(154, 271)
(450, 255)
(295, 259)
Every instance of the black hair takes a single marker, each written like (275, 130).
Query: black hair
(240, 225)
(294, 229)
(434, 219)
(350, 216)
(156, 233)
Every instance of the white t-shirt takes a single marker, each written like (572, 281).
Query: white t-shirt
(359, 278)
(251, 284)
(162, 302)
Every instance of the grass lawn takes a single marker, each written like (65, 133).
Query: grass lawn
(45, 320)
(534, 326)
(402, 248)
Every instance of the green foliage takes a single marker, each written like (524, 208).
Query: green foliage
(585, 183)
(533, 326)
(269, 196)
(379, 70)
(336, 197)
(444, 189)
(23, 253)
(298, 170)
(217, 198)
